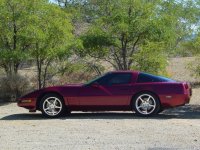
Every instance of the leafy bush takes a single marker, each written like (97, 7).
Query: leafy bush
(151, 59)
(12, 87)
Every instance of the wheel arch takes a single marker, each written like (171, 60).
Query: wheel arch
(39, 98)
(144, 91)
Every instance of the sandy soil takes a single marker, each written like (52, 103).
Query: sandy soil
(173, 129)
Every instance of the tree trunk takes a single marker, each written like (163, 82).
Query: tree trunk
(39, 74)
(45, 73)
(39, 62)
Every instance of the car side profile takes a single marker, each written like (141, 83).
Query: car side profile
(143, 93)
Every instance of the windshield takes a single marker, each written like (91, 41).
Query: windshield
(94, 80)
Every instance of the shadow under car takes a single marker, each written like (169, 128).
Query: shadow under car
(183, 112)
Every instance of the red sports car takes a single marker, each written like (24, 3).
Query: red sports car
(140, 92)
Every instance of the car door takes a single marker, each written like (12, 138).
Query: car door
(120, 87)
(112, 90)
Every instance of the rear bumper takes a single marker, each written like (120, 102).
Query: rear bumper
(174, 100)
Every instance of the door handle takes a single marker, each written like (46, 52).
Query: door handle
(124, 89)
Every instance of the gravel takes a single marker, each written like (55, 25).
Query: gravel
(173, 129)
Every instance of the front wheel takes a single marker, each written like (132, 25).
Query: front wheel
(52, 106)
(146, 104)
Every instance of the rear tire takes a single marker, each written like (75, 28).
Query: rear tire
(161, 110)
(146, 104)
(52, 106)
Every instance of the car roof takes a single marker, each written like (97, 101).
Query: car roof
(124, 71)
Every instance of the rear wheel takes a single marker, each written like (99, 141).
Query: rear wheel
(146, 104)
(52, 106)
(161, 110)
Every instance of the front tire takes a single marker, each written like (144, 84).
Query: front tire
(146, 104)
(52, 106)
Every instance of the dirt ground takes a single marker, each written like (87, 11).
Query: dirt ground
(177, 128)
(173, 129)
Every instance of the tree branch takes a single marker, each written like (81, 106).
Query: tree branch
(133, 50)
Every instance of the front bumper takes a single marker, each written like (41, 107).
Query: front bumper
(28, 103)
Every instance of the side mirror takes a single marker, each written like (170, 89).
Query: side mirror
(95, 84)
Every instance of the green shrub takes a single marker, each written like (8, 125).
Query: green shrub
(151, 58)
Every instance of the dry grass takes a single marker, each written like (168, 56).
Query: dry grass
(178, 69)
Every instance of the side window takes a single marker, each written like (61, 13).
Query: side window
(119, 78)
(143, 77)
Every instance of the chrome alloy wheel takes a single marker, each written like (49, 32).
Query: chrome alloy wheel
(145, 104)
(52, 106)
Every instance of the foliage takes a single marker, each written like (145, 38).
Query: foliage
(16, 19)
(77, 37)
(34, 30)
(123, 27)
(52, 40)
(151, 58)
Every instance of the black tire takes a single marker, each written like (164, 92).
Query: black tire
(161, 110)
(67, 112)
(46, 106)
(141, 104)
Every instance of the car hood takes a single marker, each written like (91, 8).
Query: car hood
(35, 93)
(73, 85)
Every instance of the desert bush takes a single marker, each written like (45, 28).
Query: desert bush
(194, 67)
(76, 73)
(77, 77)
(12, 87)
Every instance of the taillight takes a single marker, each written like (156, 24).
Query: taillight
(186, 86)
